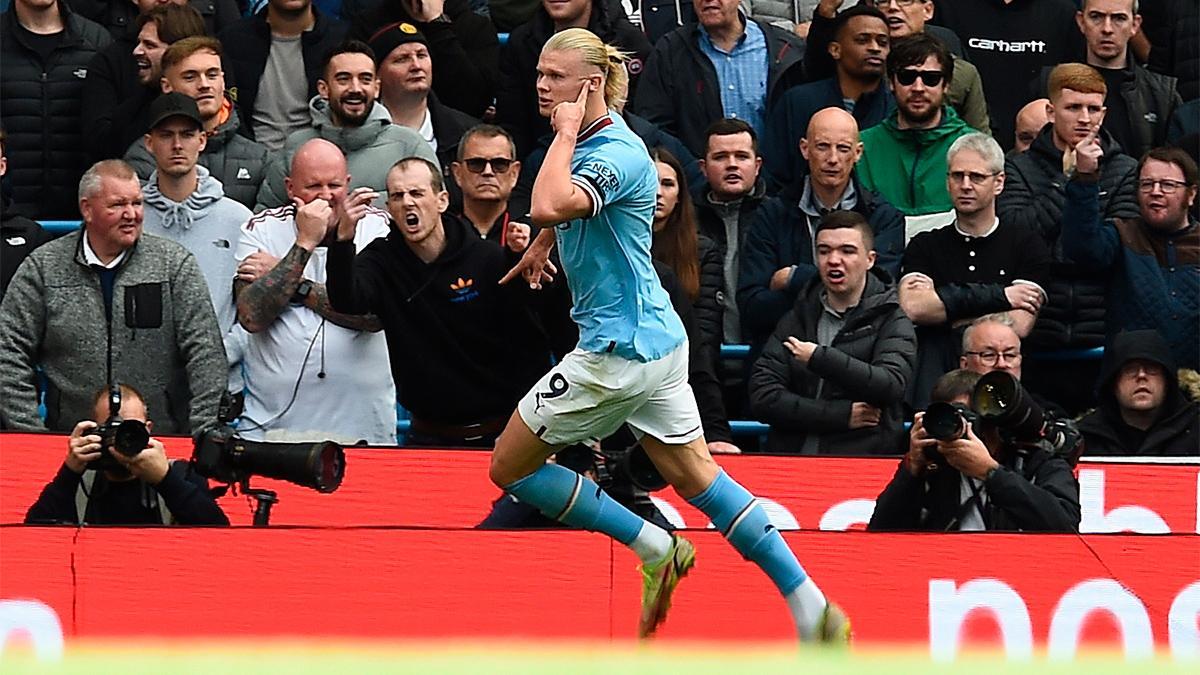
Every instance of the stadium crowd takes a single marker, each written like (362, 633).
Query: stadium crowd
(882, 200)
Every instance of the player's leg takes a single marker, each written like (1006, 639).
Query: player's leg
(563, 408)
(670, 413)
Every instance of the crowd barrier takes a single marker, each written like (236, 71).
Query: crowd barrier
(392, 554)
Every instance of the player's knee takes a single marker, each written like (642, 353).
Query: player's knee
(500, 472)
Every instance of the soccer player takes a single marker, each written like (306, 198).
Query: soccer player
(595, 197)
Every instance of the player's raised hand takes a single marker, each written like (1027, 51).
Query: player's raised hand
(567, 117)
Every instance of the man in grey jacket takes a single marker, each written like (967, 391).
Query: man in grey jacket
(109, 304)
(347, 114)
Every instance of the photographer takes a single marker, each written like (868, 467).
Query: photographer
(145, 489)
(979, 482)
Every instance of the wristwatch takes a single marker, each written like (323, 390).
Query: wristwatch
(302, 292)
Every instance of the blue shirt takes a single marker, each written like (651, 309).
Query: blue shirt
(620, 304)
(741, 74)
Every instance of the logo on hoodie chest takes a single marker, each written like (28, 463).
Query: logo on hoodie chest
(463, 290)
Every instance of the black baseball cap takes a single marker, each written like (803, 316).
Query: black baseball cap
(393, 35)
(174, 104)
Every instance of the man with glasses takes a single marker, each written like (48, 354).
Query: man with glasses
(1033, 197)
(974, 266)
(990, 343)
(904, 157)
(486, 171)
(1152, 261)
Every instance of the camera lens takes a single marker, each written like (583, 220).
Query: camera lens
(130, 437)
(944, 422)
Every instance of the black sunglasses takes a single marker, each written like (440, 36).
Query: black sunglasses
(499, 164)
(907, 76)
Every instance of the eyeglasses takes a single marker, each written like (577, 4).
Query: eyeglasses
(990, 358)
(907, 76)
(499, 164)
(975, 177)
(1165, 184)
(901, 3)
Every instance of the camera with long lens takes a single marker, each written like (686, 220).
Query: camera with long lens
(219, 453)
(128, 437)
(1000, 399)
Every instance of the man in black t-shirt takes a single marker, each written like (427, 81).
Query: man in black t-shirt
(974, 266)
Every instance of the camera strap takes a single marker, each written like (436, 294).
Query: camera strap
(150, 499)
(975, 501)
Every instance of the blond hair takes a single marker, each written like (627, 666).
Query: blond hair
(609, 59)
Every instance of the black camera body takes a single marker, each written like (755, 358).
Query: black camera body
(128, 437)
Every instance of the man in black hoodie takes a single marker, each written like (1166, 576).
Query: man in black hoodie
(1142, 411)
(517, 98)
(18, 235)
(463, 348)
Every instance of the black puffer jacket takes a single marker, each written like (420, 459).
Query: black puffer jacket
(708, 306)
(1042, 497)
(870, 360)
(516, 99)
(40, 106)
(1176, 431)
(120, 16)
(464, 51)
(1180, 54)
(1034, 192)
(238, 162)
(682, 95)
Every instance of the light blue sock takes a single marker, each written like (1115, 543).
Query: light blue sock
(744, 523)
(576, 500)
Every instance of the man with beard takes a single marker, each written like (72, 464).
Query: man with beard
(1152, 261)
(904, 157)
(275, 59)
(192, 67)
(346, 113)
(123, 78)
(859, 49)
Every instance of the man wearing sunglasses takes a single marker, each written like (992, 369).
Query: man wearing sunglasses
(487, 172)
(1152, 262)
(904, 157)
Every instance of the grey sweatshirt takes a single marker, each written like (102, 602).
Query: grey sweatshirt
(164, 337)
(208, 225)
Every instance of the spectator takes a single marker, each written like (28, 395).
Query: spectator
(859, 49)
(904, 18)
(185, 204)
(831, 379)
(125, 307)
(1009, 43)
(777, 256)
(1142, 411)
(1184, 123)
(695, 266)
(45, 49)
(1138, 103)
(192, 67)
(462, 44)
(119, 17)
(147, 489)
(347, 114)
(18, 234)
(989, 343)
(486, 171)
(1152, 261)
(478, 350)
(723, 66)
(977, 482)
(725, 208)
(516, 100)
(1179, 54)
(977, 265)
(405, 88)
(275, 59)
(1073, 317)
(794, 17)
(1030, 121)
(123, 78)
(904, 157)
(312, 373)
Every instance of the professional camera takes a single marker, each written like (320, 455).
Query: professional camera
(1000, 399)
(950, 421)
(128, 437)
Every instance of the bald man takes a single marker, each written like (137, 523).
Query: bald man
(777, 256)
(1030, 121)
(312, 374)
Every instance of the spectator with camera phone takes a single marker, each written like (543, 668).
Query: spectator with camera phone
(117, 474)
(975, 478)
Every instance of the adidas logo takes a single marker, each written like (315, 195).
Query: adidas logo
(461, 287)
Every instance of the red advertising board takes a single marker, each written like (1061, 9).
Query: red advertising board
(450, 488)
(1022, 593)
